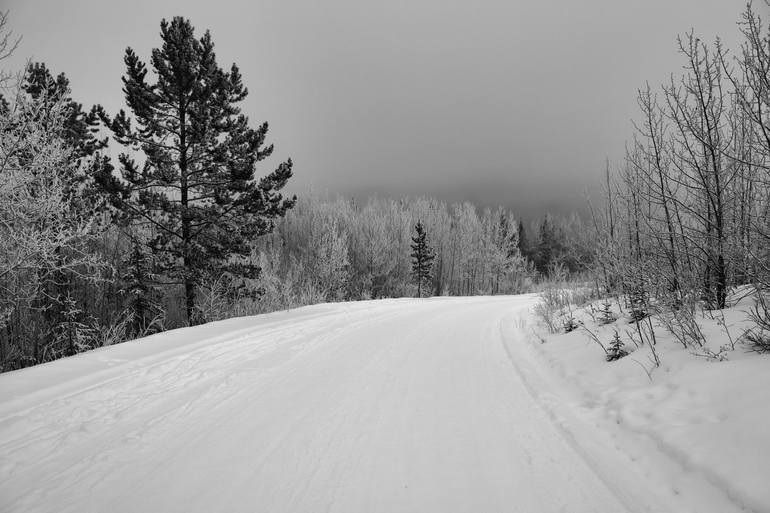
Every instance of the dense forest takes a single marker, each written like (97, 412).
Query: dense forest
(185, 226)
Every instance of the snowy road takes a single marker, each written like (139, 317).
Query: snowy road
(390, 406)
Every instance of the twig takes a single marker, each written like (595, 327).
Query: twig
(596, 339)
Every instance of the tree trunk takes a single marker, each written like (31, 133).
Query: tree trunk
(187, 261)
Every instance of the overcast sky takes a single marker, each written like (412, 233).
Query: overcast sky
(514, 102)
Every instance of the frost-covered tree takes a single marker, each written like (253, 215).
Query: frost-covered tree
(89, 175)
(45, 227)
(751, 84)
(372, 246)
(504, 257)
(698, 109)
(329, 260)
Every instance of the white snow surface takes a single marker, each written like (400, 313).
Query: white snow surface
(441, 405)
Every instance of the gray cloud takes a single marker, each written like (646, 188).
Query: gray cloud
(496, 102)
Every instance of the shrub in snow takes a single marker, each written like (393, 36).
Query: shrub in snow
(606, 316)
(717, 356)
(683, 324)
(615, 350)
(591, 310)
(570, 324)
(759, 336)
(759, 340)
(548, 308)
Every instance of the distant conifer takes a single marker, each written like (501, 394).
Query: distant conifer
(523, 241)
(422, 257)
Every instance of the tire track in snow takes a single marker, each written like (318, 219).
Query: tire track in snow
(55, 432)
(379, 406)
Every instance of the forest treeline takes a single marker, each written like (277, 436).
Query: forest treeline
(336, 249)
(118, 225)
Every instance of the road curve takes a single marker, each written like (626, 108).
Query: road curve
(381, 406)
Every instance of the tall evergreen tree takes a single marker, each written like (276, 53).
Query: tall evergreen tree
(549, 245)
(195, 188)
(143, 296)
(422, 257)
(523, 241)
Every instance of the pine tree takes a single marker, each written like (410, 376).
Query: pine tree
(549, 246)
(195, 188)
(523, 241)
(607, 316)
(93, 180)
(615, 350)
(74, 334)
(544, 246)
(422, 257)
(79, 127)
(142, 294)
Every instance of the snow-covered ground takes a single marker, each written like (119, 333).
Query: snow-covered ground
(440, 405)
(695, 423)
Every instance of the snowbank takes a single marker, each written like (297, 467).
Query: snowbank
(710, 417)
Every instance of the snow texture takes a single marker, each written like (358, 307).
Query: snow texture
(697, 425)
(440, 405)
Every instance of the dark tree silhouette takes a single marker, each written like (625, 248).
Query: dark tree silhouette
(194, 188)
(422, 257)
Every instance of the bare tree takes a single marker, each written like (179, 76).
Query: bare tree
(8, 44)
(698, 106)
